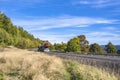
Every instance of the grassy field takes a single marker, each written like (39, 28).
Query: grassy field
(17, 64)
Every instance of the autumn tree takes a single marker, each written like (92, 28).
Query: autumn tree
(110, 48)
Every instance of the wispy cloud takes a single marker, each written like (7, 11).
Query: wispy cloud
(103, 34)
(99, 37)
(61, 22)
(103, 37)
(40, 28)
(98, 3)
(110, 28)
(53, 37)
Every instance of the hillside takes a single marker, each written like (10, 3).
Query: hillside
(18, 64)
(14, 35)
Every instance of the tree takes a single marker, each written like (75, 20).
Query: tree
(14, 35)
(63, 47)
(84, 44)
(60, 46)
(73, 45)
(1, 20)
(110, 48)
(57, 46)
(96, 49)
(52, 47)
(5, 37)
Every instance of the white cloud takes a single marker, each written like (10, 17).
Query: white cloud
(53, 37)
(61, 22)
(99, 37)
(44, 24)
(103, 37)
(109, 28)
(94, 2)
(98, 3)
(102, 34)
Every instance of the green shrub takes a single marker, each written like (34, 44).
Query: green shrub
(1, 76)
(72, 68)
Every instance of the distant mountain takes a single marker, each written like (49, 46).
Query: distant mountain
(117, 47)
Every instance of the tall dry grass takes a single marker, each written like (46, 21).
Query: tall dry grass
(17, 64)
(85, 72)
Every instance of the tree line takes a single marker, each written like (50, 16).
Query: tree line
(18, 37)
(15, 35)
(81, 45)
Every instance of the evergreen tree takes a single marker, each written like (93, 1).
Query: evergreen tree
(110, 48)
(73, 45)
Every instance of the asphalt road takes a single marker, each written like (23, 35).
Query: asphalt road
(100, 57)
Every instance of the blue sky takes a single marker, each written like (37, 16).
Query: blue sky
(60, 20)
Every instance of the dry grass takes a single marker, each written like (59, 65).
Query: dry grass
(17, 64)
(85, 72)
